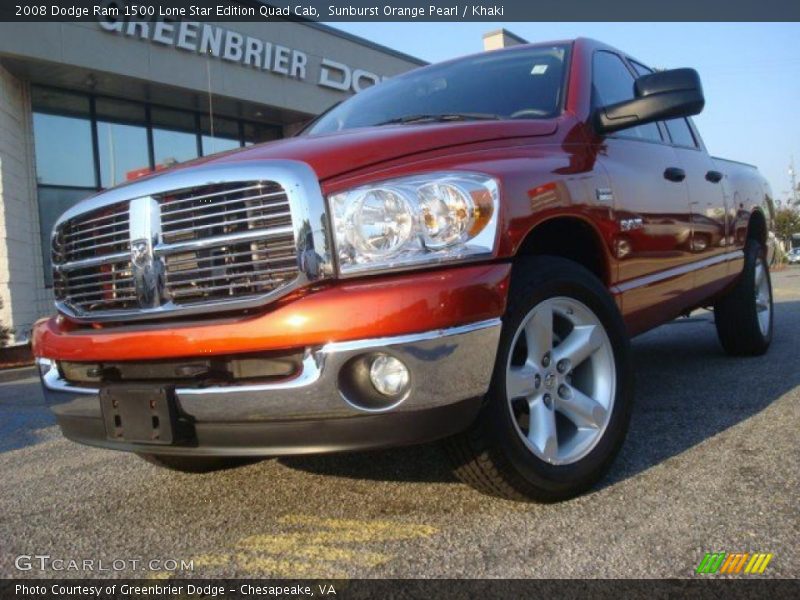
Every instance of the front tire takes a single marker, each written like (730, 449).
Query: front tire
(744, 315)
(560, 399)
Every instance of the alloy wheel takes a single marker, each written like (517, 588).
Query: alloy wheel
(763, 297)
(561, 380)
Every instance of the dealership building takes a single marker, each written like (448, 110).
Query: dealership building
(88, 105)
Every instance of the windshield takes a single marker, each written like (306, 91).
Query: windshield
(520, 84)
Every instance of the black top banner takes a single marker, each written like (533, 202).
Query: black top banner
(402, 10)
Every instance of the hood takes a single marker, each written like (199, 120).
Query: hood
(334, 154)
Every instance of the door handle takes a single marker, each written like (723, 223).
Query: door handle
(674, 174)
(714, 176)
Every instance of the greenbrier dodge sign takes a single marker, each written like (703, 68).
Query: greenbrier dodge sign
(212, 40)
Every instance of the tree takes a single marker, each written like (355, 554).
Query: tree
(787, 223)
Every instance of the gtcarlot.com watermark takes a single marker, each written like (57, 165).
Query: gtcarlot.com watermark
(45, 562)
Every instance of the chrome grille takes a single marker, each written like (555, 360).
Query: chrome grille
(233, 268)
(217, 242)
(93, 259)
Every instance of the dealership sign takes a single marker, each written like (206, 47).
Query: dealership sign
(206, 39)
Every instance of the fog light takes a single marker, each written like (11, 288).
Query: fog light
(389, 375)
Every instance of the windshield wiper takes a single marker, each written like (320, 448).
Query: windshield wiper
(441, 118)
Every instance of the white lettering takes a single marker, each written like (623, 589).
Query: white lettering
(211, 40)
(233, 46)
(360, 74)
(252, 54)
(299, 61)
(326, 80)
(281, 64)
(142, 26)
(267, 56)
(112, 25)
(163, 33)
(187, 35)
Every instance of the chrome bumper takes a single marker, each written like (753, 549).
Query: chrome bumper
(446, 367)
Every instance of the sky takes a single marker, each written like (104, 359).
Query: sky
(750, 73)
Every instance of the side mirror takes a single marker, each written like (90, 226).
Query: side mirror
(658, 97)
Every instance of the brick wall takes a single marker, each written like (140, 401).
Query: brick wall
(21, 276)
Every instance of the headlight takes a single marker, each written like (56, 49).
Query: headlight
(414, 221)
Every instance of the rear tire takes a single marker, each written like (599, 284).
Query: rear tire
(744, 315)
(196, 464)
(571, 437)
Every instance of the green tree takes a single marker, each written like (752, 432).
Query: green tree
(787, 222)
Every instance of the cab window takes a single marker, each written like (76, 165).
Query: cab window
(612, 82)
(679, 130)
(681, 133)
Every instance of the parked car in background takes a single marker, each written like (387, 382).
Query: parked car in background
(793, 257)
(462, 252)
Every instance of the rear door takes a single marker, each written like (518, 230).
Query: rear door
(653, 242)
(707, 200)
(709, 211)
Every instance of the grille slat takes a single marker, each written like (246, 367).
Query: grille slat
(275, 249)
(75, 278)
(222, 241)
(169, 213)
(82, 223)
(174, 272)
(87, 241)
(82, 233)
(233, 276)
(191, 197)
(184, 292)
(92, 261)
(89, 286)
(224, 213)
(223, 223)
(93, 247)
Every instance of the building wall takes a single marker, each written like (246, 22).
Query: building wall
(73, 50)
(20, 251)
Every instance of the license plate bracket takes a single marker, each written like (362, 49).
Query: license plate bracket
(144, 414)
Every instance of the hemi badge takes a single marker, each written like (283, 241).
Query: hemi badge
(604, 195)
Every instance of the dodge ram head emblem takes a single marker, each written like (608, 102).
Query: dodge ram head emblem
(141, 254)
(147, 269)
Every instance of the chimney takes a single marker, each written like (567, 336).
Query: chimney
(501, 38)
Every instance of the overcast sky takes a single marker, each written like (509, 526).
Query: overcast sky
(750, 73)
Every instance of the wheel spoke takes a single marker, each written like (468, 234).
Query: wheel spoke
(520, 380)
(539, 332)
(759, 274)
(542, 429)
(581, 409)
(579, 345)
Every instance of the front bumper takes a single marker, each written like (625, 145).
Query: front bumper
(314, 412)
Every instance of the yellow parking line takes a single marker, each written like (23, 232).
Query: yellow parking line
(315, 547)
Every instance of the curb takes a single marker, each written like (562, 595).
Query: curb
(17, 374)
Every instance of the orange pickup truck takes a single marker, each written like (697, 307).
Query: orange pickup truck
(461, 252)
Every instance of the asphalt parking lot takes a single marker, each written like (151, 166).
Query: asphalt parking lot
(712, 463)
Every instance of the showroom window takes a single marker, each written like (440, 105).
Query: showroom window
(219, 134)
(86, 143)
(121, 141)
(174, 137)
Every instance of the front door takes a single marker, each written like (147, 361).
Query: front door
(651, 202)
